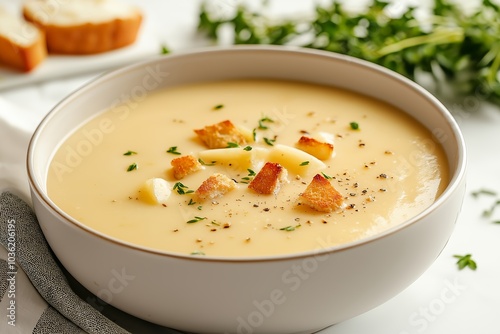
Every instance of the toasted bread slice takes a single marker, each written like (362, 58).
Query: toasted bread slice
(220, 135)
(269, 179)
(321, 195)
(217, 185)
(184, 166)
(78, 27)
(320, 150)
(22, 44)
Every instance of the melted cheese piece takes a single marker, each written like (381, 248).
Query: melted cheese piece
(388, 170)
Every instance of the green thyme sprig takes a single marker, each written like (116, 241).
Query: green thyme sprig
(458, 48)
(465, 261)
(182, 189)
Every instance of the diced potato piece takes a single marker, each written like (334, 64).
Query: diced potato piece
(320, 150)
(220, 135)
(295, 160)
(156, 191)
(184, 166)
(236, 157)
(217, 185)
(246, 133)
(321, 195)
(269, 179)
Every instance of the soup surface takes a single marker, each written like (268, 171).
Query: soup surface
(384, 164)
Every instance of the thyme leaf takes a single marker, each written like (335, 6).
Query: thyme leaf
(269, 142)
(132, 167)
(182, 189)
(465, 261)
(206, 163)
(173, 150)
(196, 219)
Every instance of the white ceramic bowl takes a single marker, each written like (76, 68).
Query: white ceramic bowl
(295, 293)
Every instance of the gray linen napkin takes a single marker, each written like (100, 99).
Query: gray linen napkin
(28, 256)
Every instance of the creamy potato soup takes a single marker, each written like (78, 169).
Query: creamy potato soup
(247, 168)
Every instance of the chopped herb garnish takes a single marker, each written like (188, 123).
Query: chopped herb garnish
(483, 192)
(354, 125)
(269, 142)
(262, 121)
(489, 212)
(173, 150)
(199, 207)
(249, 177)
(465, 261)
(182, 189)
(196, 219)
(132, 167)
(328, 177)
(197, 253)
(247, 148)
(232, 145)
(164, 50)
(206, 163)
(217, 107)
(289, 228)
(254, 134)
(130, 153)
(191, 202)
(304, 163)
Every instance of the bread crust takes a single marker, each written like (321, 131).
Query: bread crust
(184, 166)
(88, 38)
(23, 58)
(269, 179)
(220, 135)
(320, 150)
(217, 185)
(321, 195)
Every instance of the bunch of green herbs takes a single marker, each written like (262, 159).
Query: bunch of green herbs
(450, 45)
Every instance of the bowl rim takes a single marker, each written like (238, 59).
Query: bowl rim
(454, 182)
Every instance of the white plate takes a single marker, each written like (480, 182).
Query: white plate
(57, 66)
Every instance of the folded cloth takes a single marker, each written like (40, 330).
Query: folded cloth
(27, 262)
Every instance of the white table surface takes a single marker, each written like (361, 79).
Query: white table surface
(443, 300)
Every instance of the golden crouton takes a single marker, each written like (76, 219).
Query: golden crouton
(269, 179)
(321, 195)
(220, 135)
(216, 185)
(320, 150)
(185, 165)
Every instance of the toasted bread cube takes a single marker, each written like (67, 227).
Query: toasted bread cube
(321, 195)
(320, 150)
(220, 134)
(269, 179)
(156, 191)
(184, 166)
(217, 185)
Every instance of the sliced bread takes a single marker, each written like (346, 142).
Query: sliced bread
(80, 27)
(22, 45)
